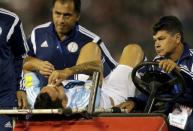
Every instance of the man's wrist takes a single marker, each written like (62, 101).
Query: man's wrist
(67, 72)
(36, 65)
(178, 68)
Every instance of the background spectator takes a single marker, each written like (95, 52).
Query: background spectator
(118, 22)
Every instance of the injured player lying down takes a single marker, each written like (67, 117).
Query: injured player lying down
(75, 94)
(78, 97)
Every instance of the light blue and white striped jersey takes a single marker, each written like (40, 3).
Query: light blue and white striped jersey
(77, 92)
(78, 97)
(33, 86)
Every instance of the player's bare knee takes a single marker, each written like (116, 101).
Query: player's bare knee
(86, 51)
(134, 49)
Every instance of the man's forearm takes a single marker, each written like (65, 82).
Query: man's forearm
(85, 68)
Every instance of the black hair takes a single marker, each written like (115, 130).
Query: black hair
(77, 4)
(43, 101)
(170, 24)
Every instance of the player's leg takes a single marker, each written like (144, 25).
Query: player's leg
(119, 85)
(90, 53)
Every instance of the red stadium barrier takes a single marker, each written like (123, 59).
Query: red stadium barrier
(110, 123)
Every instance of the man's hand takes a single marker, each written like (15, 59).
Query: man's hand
(58, 76)
(34, 64)
(129, 105)
(22, 99)
(168, 65)
(45, 68)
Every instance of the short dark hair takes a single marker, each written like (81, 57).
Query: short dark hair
(43, 101)
(77, 4)
(169, 23)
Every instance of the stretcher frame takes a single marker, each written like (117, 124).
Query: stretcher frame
(89, 113)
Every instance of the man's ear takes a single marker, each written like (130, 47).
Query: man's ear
(78, 17)
(178, 37)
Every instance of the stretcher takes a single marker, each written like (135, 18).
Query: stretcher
(89, 119)
(96, 122)
(61, 120)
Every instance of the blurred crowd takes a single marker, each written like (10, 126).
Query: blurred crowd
(118, 22)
